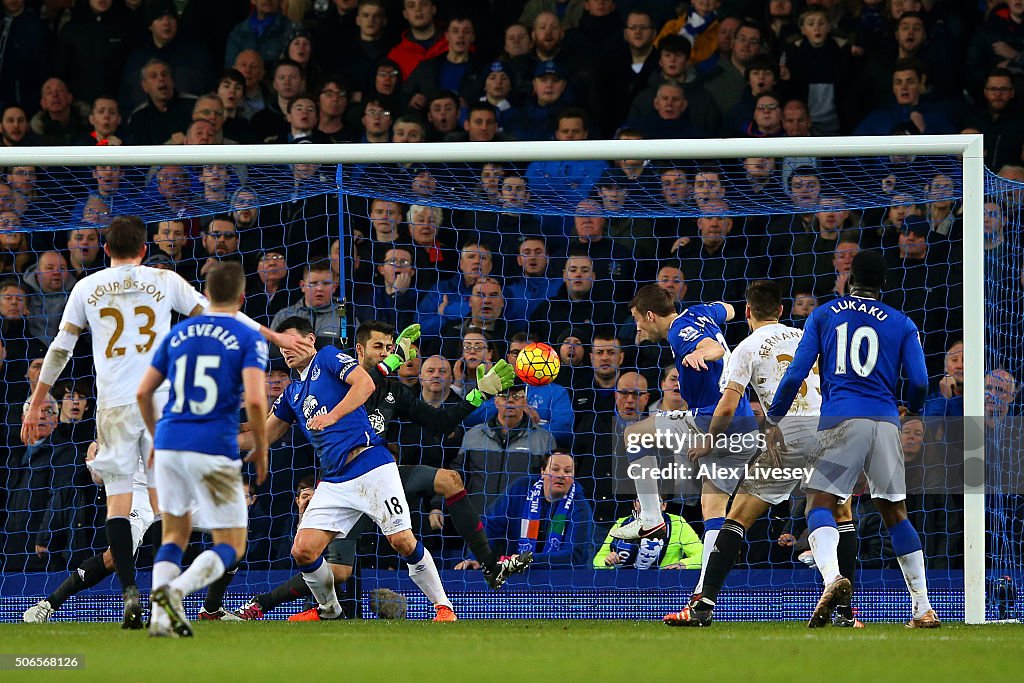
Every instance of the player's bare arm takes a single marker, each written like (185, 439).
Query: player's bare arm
(283, 341)
(724, 412)
(362, 387)
(56, 359)
(730, 310)
(275, 427)
(707, 350)
(254, 381)
(150, 382)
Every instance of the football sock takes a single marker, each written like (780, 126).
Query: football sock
(424, 573)
(88, 574)
(467, 522)
(205, 569)
(907, 546)
(166, 564)
(320, 579)
(214, 599)
(292, 589)
(711, 529)
(647, 493)
(847, 556)
(119, 537)
(824, 540)
(721, 559)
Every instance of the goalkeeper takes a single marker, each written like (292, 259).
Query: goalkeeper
(380, 353)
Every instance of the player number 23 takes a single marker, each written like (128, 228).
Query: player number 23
(850, 348)
(145, 328)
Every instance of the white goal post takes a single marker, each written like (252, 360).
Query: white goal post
(969, 147)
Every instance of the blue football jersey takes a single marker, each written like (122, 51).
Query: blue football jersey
(702, 389)
(203, 358)
(862, 344)
(322, 386)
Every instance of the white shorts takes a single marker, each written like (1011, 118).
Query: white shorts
(186, 479)
(859, 445)
(771, 485)
(337, 506)
(124, 443)
(141, 517)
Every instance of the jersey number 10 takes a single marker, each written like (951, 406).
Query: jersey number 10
(849, 348)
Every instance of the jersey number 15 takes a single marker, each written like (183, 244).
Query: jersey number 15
(200, 381)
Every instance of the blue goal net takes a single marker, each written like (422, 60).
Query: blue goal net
(488, 258)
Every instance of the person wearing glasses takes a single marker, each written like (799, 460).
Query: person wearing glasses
(220, 243)
(377, 119)
(320, 305)
(394, 290)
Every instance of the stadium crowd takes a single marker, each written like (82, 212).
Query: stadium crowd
(493, 271)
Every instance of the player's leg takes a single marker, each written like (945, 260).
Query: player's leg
(887, 482)
(307, 551)
(642, 452)
(713, 504)
(423, 572)
(847, 556)
(746, 509)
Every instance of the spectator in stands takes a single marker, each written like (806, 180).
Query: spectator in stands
(727, 81)
(220, 243)
(715, 266)
(548, 516)
(433, 258)
(606, 358)
(192, 64)
(256, 94)
(517, 41)
(819, 70)
(360, 54)
(263, 31)
(571, 305)
(30, 483)
(762, 76)
(646, 355)
(85, 255)
(671, 118)
(927, 288)
(998, 120)
(376, 121)
(457, 69)
(835, 284)
(449, 301)
(674, 53)
(394, 295)
(104, 127)
(171, 238)
(681, 550)
(567, 178)
(332, 99)
(422, 40)
(569, 11)
(442, 115)
(26, 53)
(1000, 392)
(948, 398)
(813, 260)
(386, 223)
(301, 116)
(708, 186)
(418, 445)
(231, 93)
(536, 120)
(268, 292)
(631, 67)
(670, 399)
(803, 304)
(481, 125)
(49, 282)
(612, 262)
(909, 82)
(997, 43)
(165, 112)
(14, 130)
(288, 83)
(525, 293)
(16, 255)
(486, 305)
(767, 120)
(58, 122)
(91, 48)
(502, 449)
(497, 87)
(319, 305)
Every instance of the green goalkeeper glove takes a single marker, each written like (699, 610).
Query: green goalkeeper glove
(404, 351)
(490, 382)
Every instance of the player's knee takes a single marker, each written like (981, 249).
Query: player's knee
(447, 483)
(342, 572)
(404, 542)
(303, 554)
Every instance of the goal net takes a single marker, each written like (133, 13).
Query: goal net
(490, 247)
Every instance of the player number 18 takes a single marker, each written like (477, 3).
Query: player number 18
(850, 347)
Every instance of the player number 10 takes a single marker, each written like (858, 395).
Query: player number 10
(851, 347)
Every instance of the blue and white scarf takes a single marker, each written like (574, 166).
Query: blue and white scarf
(529, 528)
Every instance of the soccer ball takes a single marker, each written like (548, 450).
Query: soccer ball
(537, 364)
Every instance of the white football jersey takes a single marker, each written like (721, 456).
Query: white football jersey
(128, 308)
(761, 360)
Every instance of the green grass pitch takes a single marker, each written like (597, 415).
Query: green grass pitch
(563, 651)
